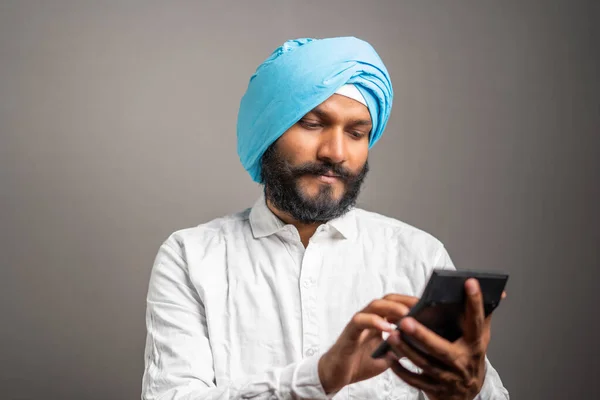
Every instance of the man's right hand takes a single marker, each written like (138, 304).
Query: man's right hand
(349, 359)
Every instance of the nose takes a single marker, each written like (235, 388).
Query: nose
(332, 147)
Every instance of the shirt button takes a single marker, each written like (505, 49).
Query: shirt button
(308, 283)
(310, 352)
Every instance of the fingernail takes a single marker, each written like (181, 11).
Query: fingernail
(408, 325)
(386, 326)
(471, 286)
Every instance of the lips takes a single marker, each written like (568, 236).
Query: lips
(326, 175)
(328, 178)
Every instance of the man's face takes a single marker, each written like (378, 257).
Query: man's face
(314, 171)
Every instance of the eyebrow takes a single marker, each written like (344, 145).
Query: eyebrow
(323, 115)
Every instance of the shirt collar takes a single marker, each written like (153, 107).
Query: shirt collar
(346, 224)
(264, 223)
(262, 220)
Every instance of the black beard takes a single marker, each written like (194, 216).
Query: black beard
(282, 189)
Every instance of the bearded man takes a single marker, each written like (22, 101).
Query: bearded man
(289, 298)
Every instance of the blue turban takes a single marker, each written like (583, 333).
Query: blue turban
(296, 78)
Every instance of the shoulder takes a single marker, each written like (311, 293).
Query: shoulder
(399, 233)
(382, 224)
(207, 234)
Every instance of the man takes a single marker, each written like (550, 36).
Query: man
(288, 299)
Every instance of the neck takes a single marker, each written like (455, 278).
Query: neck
(306, 231)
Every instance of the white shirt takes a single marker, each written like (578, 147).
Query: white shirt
(237, 308)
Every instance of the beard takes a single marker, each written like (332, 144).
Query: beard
(283, 189)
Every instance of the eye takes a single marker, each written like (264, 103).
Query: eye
(357, 135)
(310, 124)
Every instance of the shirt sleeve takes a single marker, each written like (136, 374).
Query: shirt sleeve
(492, 388)
(178, 362)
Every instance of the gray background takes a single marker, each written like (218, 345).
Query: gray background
(117, 122)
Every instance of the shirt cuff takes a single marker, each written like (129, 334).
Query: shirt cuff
(306, 383)
(486, 391)
(490, 390)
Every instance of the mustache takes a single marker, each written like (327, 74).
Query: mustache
(323, 168)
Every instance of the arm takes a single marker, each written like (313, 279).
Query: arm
(178, 358)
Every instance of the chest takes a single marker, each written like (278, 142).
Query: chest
(273, 303)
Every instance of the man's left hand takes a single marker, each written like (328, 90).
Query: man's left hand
(459, 370)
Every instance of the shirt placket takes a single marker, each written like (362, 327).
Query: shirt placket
(308, 293)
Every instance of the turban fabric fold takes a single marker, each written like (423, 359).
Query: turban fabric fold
(297, 77)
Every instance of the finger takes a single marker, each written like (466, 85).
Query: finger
(392, 357)
(422, 382)
(362, 321)
(431, 367)
(409, 301)
(392, 341)
(387, 308)
(434, 344)
(474, 314)
(503, 295)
